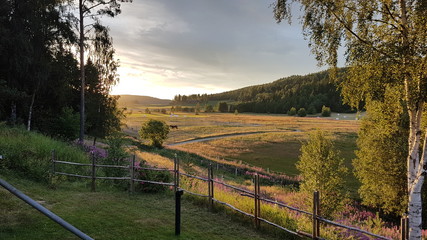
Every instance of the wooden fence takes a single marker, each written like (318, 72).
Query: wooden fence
(317, 219)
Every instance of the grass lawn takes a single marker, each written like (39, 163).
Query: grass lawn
(109, 214)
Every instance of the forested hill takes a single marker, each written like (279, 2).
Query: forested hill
(311, 92)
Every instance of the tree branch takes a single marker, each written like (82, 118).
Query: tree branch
(366, 42)
(98, 4)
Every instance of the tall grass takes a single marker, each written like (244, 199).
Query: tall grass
(29, 153)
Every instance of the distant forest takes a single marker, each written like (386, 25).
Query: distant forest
(311, 92)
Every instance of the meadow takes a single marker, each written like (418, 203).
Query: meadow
(274, 146)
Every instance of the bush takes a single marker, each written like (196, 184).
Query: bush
(311, 110)
(326, 111)
(223, 107)
(292, 111)
(67, 125)
(154, 130)
(150, 175)
(323, 169)
(302, 112)
(209, 109)
(118, 156)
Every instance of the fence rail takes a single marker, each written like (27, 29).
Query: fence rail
(256, 195)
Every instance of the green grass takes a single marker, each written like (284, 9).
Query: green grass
(111, 215)
(30, 153)
(276, 157)
(282, 156)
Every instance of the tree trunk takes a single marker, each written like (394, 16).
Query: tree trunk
(82, 75)
(13, 113)
(30, 112)
(415, 173)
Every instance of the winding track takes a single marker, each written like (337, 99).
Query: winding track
(203, 139)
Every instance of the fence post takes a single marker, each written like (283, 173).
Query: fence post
(53, 167)
(177, 172)
(175, 183)
(404, 228)
(316, 213)
(132, 175)
(210, 186)
(178, 195)
(93, 174)
(257, 211)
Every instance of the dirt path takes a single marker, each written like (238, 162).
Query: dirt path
(219, 137)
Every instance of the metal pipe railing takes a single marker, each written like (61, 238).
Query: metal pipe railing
(44, 210)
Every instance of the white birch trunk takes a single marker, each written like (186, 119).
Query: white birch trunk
(415, 174)
(30, 112)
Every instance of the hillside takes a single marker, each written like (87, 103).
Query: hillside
(132, 101)
(310, 91)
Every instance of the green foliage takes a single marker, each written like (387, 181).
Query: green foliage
(315, 90)
(302, 112)
(151, 175)
(67, 125)
(292, 111)
(154, 130)
(322, 169)
(326, 111)
(103, 114)
(379, 164)
(147, 111)
(209, 108)
(117, 155)
(223, 107)
(29, 154)
(311, 110)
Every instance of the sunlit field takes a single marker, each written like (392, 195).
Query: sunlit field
(274, 146)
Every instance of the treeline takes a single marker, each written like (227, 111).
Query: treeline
(40, 75)
(310, 92)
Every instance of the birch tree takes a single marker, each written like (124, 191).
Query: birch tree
(386, 45)
(91, 10)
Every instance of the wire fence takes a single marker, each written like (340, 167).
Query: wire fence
(211, 183)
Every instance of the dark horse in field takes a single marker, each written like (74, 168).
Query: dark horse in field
(173, 126)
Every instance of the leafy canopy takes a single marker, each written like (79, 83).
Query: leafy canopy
(323, 170)
(154, 130)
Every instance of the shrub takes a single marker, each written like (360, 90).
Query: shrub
(118, 156)
(223, 107)
(326, 111)
(209, 109)
(311, 110)
(322, 169)
(292, 111)
(67, 125)
(154, 130)
(150, 175)
(302, 112)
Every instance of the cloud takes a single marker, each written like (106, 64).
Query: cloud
(206, 45)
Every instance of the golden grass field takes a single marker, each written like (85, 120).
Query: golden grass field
(276, 149)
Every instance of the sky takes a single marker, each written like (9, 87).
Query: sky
(171, 47)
